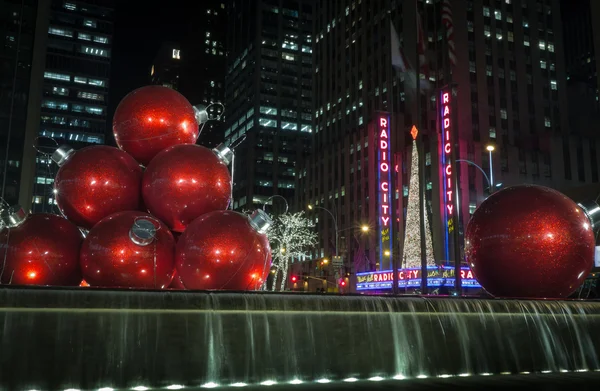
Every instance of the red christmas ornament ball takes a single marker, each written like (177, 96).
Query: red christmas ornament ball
(115, 254)
(184, 182)
(529, 241)
(176, 283)
(42, 250)
(151, 119)
(222, 250)
(95, 182)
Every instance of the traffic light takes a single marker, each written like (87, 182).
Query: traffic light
(342, 283)
(294, 279)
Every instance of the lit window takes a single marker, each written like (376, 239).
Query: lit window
(61, 32)
(100, 39)
(499, 36)
(50, 104)
(542, 44)
(511, 36)
(525, 23)
(77, 109)
(492, 132)
(306, 128)
(486, 11)
(60, 91)
(360, 120)
(80, 80)
(89, 23)
(472, 207)
(503, 114)
(269, 123)
(542, 64)
(94, 51)
(550, 47)
(288, 57)
(57, 76)
(488, 70)
(85, 37)
(90, 95)
(94, 110)
(547, 122)
(526, 41)
(207, 34)
(176, 54)
(70, 6)
(268, 110)
(96, 82)
(289, 126)
(553, 85)
(486, 31)
(509, 18)
(498, 15)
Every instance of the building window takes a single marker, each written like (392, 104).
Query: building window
(70, 6)
(542, 44)
(94, 110)
(97, 82)
(511, 36)
(486, 31)
(268, 110)
(550, 47)
(472, 207)
(289, 126)
(90, 95)
(89, 23)
(94, 51)
(553, 85)
(486, 11)
(80, 80)
(498, 15)
(60, 91)
(526, 41)
(542, 64)
(268, 123)
(85, 37)
(499, 36)
(547, 122)
(100, 39)
(492, 132)
(50, 104)
(60, 32)
(77, 109)
(503, 114)
(176, 54)
(57, 76)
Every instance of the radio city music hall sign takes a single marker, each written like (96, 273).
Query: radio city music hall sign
(385, 185)
(447, 127)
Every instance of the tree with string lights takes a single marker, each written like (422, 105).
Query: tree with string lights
(290, 236)
(411, 257)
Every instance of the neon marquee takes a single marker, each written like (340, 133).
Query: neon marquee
(385, 193)
(436, 277)
(447, 174)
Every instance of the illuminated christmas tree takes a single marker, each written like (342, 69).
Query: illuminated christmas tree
(412, 233)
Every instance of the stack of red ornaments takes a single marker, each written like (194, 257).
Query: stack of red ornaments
(135, 200)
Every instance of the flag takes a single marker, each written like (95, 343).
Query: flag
(401, 63)
(449, 25)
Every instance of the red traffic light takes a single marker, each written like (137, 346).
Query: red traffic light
(343, 283)
(294, 278)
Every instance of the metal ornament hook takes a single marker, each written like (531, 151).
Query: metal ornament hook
(62, 154)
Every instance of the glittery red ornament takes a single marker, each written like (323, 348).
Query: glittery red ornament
(224, 250)
(529, 241)
(176, 283)
(151, 119)
(41, 249)
(184, 182)
(95, 182)
(129, 250)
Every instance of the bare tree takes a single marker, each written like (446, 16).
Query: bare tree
(291, 236)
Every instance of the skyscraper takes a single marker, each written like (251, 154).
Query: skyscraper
(268, 96)
(511, 94)
(166, 67)
(73, 91)
(20, 24)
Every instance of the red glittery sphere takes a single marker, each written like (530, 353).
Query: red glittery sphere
(529, 241)
(42, 250)
(111, 258)
(176, 283)
(184, 182)
(95, 182)
(222, 250)
(151, 119)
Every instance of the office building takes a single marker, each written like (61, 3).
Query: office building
(166, 67)
(74, 88)
(268, 96)
(511, 82)
(19, 30)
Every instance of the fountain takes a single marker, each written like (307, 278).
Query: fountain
(61, 339)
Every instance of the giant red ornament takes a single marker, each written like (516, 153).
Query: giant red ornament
(530, 241)
(40, 249)
(186, 181)
(151, 119)
(95, 182)
(224, 250)
(129, 250)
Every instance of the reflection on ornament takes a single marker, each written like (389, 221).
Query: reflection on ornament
(151, 119)
(224, 250)
(130, 250)
(529, 241)
(184, 182)
(40, 249)
(95, 182)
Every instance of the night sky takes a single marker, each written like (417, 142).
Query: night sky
(139, 29)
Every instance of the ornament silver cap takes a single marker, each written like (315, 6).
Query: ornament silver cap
(260, 220)
(62, 154)
(12, 216)
(592, 211)
(201, 113)
(142, 232)
(224, 153)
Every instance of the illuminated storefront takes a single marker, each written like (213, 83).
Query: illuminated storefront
(411, 278)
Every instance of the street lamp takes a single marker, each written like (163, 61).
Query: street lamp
(364, 228)
(277, 196)
(325, 261)
(490, 148)
(335, 224)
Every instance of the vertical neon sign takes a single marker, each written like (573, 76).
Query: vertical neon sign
(385, 190)
(446, 167)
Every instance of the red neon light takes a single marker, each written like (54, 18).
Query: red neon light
(446, 128)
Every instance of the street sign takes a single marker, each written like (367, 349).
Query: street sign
(337, 261)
